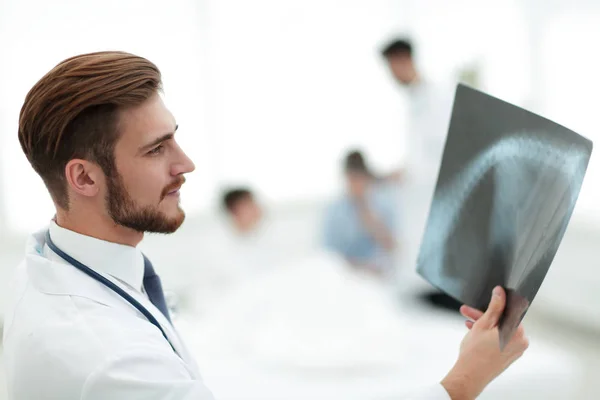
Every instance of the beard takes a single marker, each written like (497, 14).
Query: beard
(125, 212)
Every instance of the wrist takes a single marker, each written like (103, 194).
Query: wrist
(460, 385)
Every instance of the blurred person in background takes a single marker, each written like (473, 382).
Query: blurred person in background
(254, 238)
(243, 209)
(429, 116)
(261, 239)
(430, 107)
(247, 243)
(86, 316)
(241, 246)
(361, 226)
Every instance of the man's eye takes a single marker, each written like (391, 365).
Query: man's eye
(156, 150)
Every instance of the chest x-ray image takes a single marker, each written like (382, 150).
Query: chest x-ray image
(506, 189)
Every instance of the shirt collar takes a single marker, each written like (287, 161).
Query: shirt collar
(418, 86)
(125, 263)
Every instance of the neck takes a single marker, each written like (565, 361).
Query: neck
(416, 79)
(245, 227)
(98, 227)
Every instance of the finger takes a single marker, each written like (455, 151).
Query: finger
(491, 317)
(518, 345)
(520, 332)
(469, 324)
(471, 313)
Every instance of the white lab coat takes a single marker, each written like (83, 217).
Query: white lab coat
(430, 110)
(68, 337)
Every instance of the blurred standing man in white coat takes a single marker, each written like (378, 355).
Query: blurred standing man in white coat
(430, 107)
(87, 318)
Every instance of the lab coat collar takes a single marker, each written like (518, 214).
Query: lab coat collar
(418, 86)
(125, 263)
(51, 276)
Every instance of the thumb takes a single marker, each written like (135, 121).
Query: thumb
(494, 311)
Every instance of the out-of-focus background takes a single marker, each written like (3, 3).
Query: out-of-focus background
(271, 95)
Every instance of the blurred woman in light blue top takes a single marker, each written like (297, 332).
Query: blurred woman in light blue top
(361, 226)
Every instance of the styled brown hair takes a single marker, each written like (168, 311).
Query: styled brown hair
(73, 112)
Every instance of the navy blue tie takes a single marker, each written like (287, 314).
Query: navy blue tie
(154, 289)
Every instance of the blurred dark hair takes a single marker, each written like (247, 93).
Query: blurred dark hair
(232, 196)
(397, 47)
(355, 162)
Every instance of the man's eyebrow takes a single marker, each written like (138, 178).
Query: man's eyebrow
(158, 140)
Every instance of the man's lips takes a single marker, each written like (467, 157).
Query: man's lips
(174, 191)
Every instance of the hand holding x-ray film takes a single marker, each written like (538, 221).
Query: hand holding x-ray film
(506, 189)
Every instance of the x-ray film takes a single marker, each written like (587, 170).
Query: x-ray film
(506, 189)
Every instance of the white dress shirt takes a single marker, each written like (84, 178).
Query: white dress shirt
(68, 337)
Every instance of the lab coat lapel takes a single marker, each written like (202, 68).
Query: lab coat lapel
(63, 279)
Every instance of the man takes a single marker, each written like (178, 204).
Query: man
(246, 245)
(255, 241)
(87, 318)
(243, 209)
(237, 249)
(429, 116)
(361, 225)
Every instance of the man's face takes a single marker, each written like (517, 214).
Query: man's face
(358, 183)
(402, 68)
(143, 195)
(247, 212)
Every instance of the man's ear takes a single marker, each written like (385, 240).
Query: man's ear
(83, 177)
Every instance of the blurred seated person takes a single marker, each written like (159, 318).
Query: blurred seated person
(253, 239)
(361, 225)
(239, 247)
(249, 233)
(243, 209)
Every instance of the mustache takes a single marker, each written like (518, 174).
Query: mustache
(173, 186)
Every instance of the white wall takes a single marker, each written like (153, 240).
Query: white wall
(572, 85)
(293, 84)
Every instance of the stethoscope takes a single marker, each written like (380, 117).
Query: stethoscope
(93, 274)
